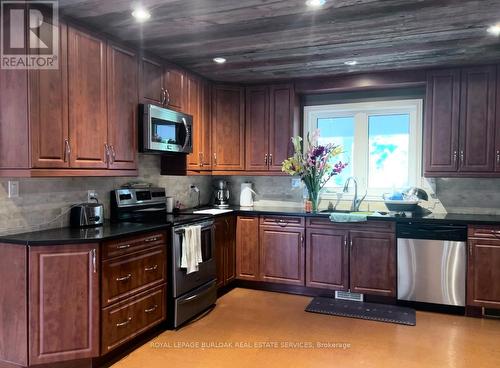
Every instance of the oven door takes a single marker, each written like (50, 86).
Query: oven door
(166, 130)
(184, 282)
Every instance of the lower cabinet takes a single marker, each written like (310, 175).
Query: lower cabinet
(483, 267)
(372, 259)
(282, 254)
(247, 248)
(327, 259)
(63, 301)
(225, 248)
(357, 257)
(133, 287)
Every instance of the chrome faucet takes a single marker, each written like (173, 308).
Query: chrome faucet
(355, 201)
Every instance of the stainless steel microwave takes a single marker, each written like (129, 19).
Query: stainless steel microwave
(164, 130)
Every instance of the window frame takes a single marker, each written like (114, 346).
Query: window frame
(361, 111)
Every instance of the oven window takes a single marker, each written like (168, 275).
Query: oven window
(163, 133)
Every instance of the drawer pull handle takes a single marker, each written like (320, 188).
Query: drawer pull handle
(149, 240)
(121, 324)
(123, 246)
(152, 309)
(281, 222)
(124, 278)
(153, 268)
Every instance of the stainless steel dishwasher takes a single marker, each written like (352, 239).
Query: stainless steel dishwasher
(432, 263)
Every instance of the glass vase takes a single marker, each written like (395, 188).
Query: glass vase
(314, 197)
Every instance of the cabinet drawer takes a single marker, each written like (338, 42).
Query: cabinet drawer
(127, 319)
(282, 221)
(122, 246)
(134, 273)
(484, 232)
(324, 222)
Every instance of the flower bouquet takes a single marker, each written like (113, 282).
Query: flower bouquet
(314, 167)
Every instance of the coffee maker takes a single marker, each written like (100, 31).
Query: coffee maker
(221, 194)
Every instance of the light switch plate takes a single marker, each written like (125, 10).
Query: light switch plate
(13, 187)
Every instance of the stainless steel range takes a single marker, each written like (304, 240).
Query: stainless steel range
(188, 294)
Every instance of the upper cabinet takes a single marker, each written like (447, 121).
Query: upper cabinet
(174, 80)
(122, 107)
(87, 100)
(459, 127)
(269, 126)
(198, 106)
(228, 128)
(151, 88)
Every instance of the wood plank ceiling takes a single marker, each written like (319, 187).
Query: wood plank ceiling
(280, 39)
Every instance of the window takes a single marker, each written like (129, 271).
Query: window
(382, 142)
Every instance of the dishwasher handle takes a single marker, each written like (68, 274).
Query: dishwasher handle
(432, 231)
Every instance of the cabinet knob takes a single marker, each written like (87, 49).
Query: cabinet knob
(215, 159)
(270, 159)
(462, 157)
(152, 309)
(124, 278)
(498, 157)
(265, 159)
(67, 150)
(121, 324)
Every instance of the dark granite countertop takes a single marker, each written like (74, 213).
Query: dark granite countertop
(109, 231)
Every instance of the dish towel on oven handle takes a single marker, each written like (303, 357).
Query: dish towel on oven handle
(191, 249)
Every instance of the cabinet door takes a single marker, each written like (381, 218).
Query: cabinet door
(257, 128)
(483, 273)
(247, 248)
(282, 255)
(327, 259)
(477, 119)
(228, 128)
(206, 126)
(175, 84)
(14, 137)
(151, 81)
(87, 100)
(497, 126)
(442, 121)
(281, 125)
(122, 108)
(193, 85)
(63, 303)
(220, 249)
(373, 263)
(49, 112)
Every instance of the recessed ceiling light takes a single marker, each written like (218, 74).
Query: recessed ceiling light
(351, 62)
(494, 30)
(141, 14)
(219, 60)
(315, 3)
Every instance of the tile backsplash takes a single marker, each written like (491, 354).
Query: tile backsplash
(43, 203)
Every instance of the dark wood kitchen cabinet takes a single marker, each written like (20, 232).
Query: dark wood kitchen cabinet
(87, 100)
(497, 126)
(373, 263)
(133, 287)
(174, 80)
(477, 119)
(122, 100)
(269, 126)
(247, 248)
(483, 267)
(198, 105)
(460, 122)
(49, 112)
(327, 258)
(225, 249)
(63, 299)
(151, 86)
(228, 128)
(282, 253)
(442, 121)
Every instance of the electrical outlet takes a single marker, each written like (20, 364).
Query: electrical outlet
(92, 195)
(296, 183)
(13, 187)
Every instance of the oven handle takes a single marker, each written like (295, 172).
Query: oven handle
(204, 226)
(186, 141)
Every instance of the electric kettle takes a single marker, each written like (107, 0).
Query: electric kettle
(246, 195)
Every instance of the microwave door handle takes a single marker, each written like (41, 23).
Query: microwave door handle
(186, 141)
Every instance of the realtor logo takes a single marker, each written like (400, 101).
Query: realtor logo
(30, 35)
